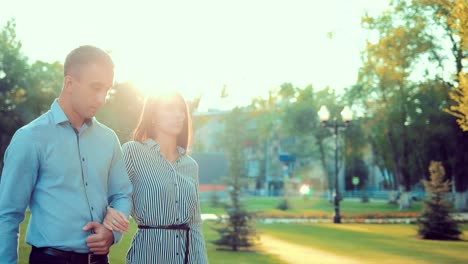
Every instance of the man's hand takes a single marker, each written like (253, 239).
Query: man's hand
(102, 239)
(115, 220)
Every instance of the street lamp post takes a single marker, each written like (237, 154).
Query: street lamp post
(347, 116)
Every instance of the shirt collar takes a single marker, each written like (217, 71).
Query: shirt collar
(60, 116)
(57, 113)
(151, 143)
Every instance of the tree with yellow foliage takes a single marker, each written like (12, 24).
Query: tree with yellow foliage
(460, 96)
(413, 87)
(455, 14)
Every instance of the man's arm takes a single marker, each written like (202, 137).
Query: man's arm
(19, 175)
(120, 187)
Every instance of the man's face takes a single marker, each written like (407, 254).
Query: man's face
(89, 89)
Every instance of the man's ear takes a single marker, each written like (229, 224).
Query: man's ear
(67, 83)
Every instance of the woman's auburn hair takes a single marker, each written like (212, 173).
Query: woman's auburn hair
(146, 129)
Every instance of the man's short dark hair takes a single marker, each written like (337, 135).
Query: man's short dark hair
(85, 55)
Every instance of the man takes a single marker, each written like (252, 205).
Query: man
(67, 167)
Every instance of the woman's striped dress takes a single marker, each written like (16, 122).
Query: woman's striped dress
(163, 194)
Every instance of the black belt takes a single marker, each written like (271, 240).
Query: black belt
(184, 227)
(72, 256)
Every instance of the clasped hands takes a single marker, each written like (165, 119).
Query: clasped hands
(115, 220)
(102, 238)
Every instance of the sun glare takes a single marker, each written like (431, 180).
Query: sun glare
(205, 46)
(150, 77)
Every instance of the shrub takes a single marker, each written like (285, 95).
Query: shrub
(435, 221)
(283, 205)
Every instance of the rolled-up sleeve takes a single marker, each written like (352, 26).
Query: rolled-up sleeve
(19, 175)
(120, 188)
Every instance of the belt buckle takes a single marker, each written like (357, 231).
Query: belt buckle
(93, 258)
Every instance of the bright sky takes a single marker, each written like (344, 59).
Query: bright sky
(198, 46)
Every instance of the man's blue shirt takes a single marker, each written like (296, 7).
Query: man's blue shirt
(66, 177)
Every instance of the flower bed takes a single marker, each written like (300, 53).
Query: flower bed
(365, 218)
(343, 215)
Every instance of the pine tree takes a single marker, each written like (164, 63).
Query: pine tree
(215, 199)
(238, 229)
(435, 221)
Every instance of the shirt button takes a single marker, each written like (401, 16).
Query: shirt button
(86, 183)
(177, 219)
(92, 208)
(176, 236)
(177, 254)
(82, 159)
(176, 201)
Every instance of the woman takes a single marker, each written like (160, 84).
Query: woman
(165, 186)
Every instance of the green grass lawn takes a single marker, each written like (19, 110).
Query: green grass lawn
(372, 243)
(369, 242)
(119, 251)
(300, 206)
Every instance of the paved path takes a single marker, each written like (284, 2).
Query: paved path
(299, 254)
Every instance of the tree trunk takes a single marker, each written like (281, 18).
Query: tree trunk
(400, 163)
(324, 166)
(392, 197)
(460, 201)
(393, 194)
(405, 200)
(460, 170)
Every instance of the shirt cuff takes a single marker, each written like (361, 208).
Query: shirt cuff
(117, 237)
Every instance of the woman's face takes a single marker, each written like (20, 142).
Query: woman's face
(170, 116)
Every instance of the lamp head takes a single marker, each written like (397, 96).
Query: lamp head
(324, 114)
(347, 114)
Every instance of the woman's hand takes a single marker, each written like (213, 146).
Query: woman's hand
(115, 220)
